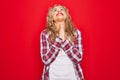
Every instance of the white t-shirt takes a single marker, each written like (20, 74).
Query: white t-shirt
(62, 68)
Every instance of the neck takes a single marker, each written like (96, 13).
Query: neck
(60, 25)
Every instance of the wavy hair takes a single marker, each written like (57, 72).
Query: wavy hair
(69, 27)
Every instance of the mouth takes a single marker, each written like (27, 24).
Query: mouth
(59, 13)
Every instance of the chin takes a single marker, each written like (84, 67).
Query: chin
(60, 19)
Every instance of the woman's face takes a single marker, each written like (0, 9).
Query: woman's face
(58, 13)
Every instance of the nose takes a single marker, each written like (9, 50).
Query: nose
(59, 10)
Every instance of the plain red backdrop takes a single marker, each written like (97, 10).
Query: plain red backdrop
(23, 20)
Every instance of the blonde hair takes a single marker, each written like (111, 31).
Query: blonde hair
(69, 27)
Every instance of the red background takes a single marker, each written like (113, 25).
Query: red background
(23, 20)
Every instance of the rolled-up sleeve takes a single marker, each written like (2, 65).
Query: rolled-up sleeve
(49, 53)
(74, 51)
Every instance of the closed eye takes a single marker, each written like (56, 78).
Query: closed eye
(54, 9)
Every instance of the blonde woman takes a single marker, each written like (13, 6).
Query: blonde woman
(60, 47)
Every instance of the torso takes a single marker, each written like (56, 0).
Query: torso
(62, 68)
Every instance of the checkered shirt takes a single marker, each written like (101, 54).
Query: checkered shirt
(49, 52)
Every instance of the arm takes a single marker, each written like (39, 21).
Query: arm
(48, 54)
(74, 51)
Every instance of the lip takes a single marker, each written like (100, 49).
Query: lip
(59, 13)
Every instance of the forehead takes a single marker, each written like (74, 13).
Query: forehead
(55, 7)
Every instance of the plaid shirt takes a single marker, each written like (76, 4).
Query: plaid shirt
(49, 52)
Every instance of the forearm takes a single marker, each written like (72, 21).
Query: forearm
(49, 54)
(74, 53)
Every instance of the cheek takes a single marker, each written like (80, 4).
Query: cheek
(54, 15)
(65, 15)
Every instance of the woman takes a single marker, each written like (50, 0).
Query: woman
(61, 49)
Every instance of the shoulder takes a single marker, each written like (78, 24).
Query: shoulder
(77, 32)
(44, 32)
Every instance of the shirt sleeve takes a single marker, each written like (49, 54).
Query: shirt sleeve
(49, 53)
(74, 51)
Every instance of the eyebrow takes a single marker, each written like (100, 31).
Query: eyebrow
(56, 8)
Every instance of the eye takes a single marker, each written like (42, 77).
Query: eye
(54, 10)
(61, 9)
